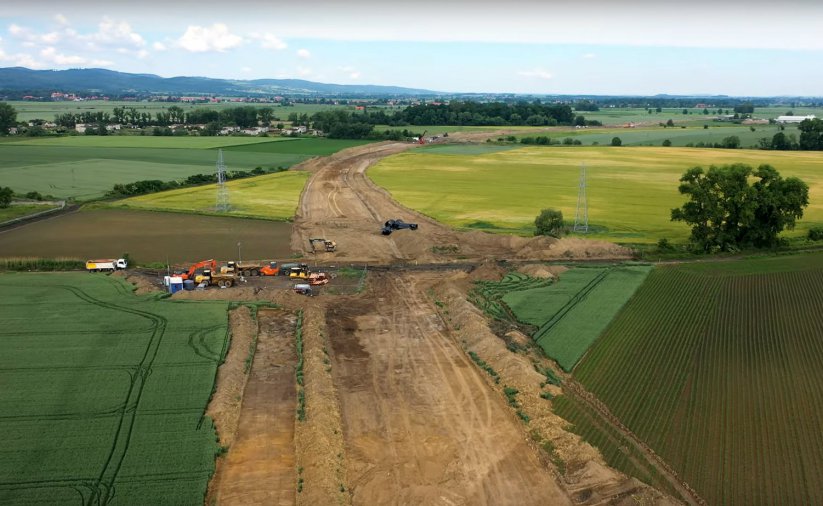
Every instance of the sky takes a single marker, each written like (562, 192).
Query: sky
(636, 47)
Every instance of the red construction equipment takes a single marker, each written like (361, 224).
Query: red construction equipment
(199, 266)
(422, 139)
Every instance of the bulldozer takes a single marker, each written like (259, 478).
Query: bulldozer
(321, 244)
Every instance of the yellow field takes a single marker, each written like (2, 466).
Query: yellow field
(273, 196)
(631, 190)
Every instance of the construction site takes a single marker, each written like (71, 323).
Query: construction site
(391, 407)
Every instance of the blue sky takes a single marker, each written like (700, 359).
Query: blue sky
(750, 48)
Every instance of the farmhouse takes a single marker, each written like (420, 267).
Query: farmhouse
(793, 119)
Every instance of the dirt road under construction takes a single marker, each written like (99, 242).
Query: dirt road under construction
(397, 412)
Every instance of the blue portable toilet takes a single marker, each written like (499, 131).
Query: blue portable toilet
(175, 283)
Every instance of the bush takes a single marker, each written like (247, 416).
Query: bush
(816, 234)
(616, 141)
(549, 222)
(6, 194)
(667, 143)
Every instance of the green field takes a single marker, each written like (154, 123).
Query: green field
(569, 314)
(716, 367)
(273, 196)
(623, 115)
(631, 190)
(12, 212)
(27, 110)
(678, 136)
(104, 392)
(85, 167)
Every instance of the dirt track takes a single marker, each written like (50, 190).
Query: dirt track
(421, 425)
(341, 203)
(259, 467)
(397, 412)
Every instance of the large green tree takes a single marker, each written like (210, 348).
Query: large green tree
(8, 117)
(735, 206)
(811, 134)
(549, 222)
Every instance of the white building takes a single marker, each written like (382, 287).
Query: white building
(793, 119)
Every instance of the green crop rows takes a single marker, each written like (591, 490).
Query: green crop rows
(104, 393)
(717, 367)
(488, 295)
(618, 452)
(568, 315)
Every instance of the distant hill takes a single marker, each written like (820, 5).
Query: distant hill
(102, 81)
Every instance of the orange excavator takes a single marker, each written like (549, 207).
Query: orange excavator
(422, 139)
(198, 268)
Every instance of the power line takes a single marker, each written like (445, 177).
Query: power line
(581, 215)
(222, 190)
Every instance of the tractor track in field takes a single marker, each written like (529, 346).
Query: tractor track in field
(580, 392)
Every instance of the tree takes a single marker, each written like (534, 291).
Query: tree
(727, 212)
(667, 143)
(8, 117)
(730, 142)
(6, 194)
(549, 222)
(616, 141)
(670, 123)
(811, 134)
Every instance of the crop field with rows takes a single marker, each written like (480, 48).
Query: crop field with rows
(104, 392)
(568, 314)
(717, 367)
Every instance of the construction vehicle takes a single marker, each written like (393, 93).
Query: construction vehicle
(392, 225)
(318, 279)
(421, 139)
(317, 243)
(197, 270)
(301, 272)
(108, 264)
(303, 289)
(221, 279)
(251, 268)
(285, 269)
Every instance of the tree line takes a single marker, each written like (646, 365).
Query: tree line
(155, 185)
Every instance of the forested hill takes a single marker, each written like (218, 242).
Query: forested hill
(17, 80)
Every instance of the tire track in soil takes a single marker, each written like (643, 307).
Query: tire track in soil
(103, 486)
(419, 423)
(260, 466)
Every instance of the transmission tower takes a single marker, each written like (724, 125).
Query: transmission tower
(222, 191)
(581, 216)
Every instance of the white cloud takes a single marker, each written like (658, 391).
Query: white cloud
(201, 39)
(538, 73)
(589, 56)
(20, 60)
(61, 19)
(51, 55)
(245, 70)
(350, 71)
(304, 53)
(101, 63)
(303, 71)
(142, 54)
(30, 38)
(159, 46)
(270, 41)
(116, 32)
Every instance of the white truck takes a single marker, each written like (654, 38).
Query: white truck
(107, 264)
